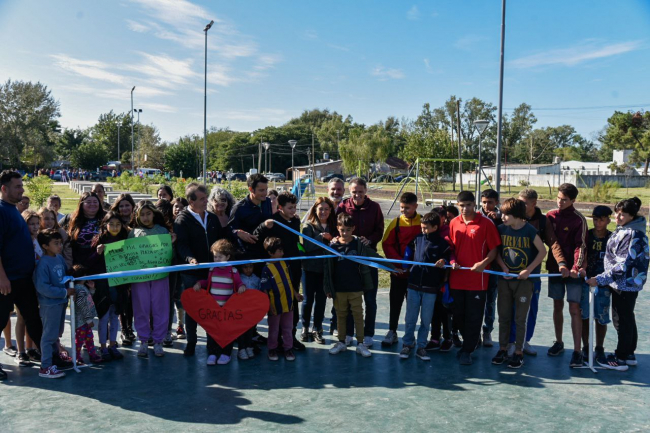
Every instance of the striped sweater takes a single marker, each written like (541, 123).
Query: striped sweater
(276, 281)
(222, 283)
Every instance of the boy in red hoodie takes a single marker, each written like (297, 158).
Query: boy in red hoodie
(399, 234)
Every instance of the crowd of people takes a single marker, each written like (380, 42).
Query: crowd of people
(438, 270)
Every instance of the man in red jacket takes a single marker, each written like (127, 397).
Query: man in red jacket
(571, 232)
(369, 228)
(475, 239)
(399, 234)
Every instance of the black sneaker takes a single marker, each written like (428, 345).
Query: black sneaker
(613, 363)
(599, 355)
(61, 364)
(318, 337)
(304, 335)
(577, 360)
(3, 374)
(556, 349)
(115, 354)
(34, 355)
(189, 349)
(446, 345)
(297, 345)
(22, 360)
(455, 337)
(516, 361)
(500, 357)
(631, 360)
(432, 345)
(259, 339)
(150, 342)
(465, 358)
(126, 341)
(585, 353)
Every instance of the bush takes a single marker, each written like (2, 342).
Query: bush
(601, 192)
(524, 183)
(127, 182)
(39, 189)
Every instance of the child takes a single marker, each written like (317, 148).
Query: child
(399, 234)
(489, 203)
(52, 297)
(276, 282)
(33, 221)
(250, 280)
(29, 352)
(346, 281)
(286, 214)
(519, 243)
(222, 282)
(150, 298)
(107, 299)
(596, 242)
(85, 314)
(475, 239)
(626, 270)
(424, 283)
(48, 221)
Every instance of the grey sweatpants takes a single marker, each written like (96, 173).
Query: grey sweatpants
(513, 295)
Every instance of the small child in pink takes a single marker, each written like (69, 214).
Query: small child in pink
(221, 283)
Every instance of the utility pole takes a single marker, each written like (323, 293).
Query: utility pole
(499, 125)
(313, 158)
(259, 157)
(460, 153)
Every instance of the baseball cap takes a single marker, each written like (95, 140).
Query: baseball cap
(601, 211)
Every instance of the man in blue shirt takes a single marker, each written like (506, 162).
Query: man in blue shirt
(16, 260)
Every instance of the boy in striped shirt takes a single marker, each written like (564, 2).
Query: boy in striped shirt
(276, 282)
(221, 283)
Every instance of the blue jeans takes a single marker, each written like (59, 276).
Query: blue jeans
(418, 304)
(370, 308)
(53, 318)
(491, 304)
(532, 314)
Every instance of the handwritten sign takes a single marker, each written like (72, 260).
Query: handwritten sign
(138, 253)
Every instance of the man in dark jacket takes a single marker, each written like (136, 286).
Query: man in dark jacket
(248, 214)
(196, 230)
(369, 228)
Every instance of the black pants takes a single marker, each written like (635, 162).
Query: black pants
(441, 317)
(126, 315)
(23, 294)
(623, 304)
(296, 279)
(215, 349)
(315, 299)
(468, 308)
(398, 289)
(190, 324)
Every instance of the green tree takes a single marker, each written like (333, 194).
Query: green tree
(629, 131)
(184, 156)
(69, 140)
(28, 114)
(89, 155)
(105, 133)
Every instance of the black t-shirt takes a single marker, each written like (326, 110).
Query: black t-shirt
(517, 246)
(347, 274)
(596, 253)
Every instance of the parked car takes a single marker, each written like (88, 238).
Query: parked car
(332, 176)
(57, 176)
(100, 176)
(236, 176)
(277, 177)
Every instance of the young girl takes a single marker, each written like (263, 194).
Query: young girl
(27, 351)
(150, 298)
(626, 270)
(178, 204)
(33, 221)
(107, 298)
(84, 316)
(48, 221)
(222, 282)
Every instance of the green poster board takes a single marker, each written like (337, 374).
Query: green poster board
(138, 253)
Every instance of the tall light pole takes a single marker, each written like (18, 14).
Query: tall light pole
(118, 141)
(132, 138)
(205, 105)
(293, 143)
(266, 154)
(480, 126)
(138, 110)
(499, 126)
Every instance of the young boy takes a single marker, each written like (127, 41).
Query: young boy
(283, 299)
(399, 234)
(424, 283)
(52, 297)
(594, 265)
(571, 232)
(475, 240)
(489, 203)
(345, 281)
(519, 244)
(286, 214)
(248, 277)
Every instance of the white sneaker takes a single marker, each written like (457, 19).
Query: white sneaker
(511, 350)
(335, 333)
(242, 354)
(337, 348)
(348, 340)
(405, 352)
(529, 350)
(250, 352)
(212, 360)
(223, 360)
(390, 338)
(368, 341)
(363, 350)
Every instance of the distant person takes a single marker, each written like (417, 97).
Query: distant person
(54, 203)
(23, 204)
(99, 189)
(626, 270)
(489, 208)
(571, 232)
(165, 192)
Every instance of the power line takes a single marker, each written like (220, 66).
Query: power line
(594, 107)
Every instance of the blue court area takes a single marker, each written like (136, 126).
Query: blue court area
(321, 392)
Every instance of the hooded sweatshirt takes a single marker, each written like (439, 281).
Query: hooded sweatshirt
(626, 257)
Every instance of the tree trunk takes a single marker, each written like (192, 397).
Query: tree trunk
(645, 169)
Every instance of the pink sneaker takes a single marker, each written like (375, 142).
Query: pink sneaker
(51, 372)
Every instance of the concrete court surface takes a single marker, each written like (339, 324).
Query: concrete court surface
(321, 392)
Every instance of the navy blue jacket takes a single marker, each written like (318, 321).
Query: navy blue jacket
(427, 249)
(247, 216)
(16, 247)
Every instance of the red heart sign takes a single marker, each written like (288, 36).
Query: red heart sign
(225, 324)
